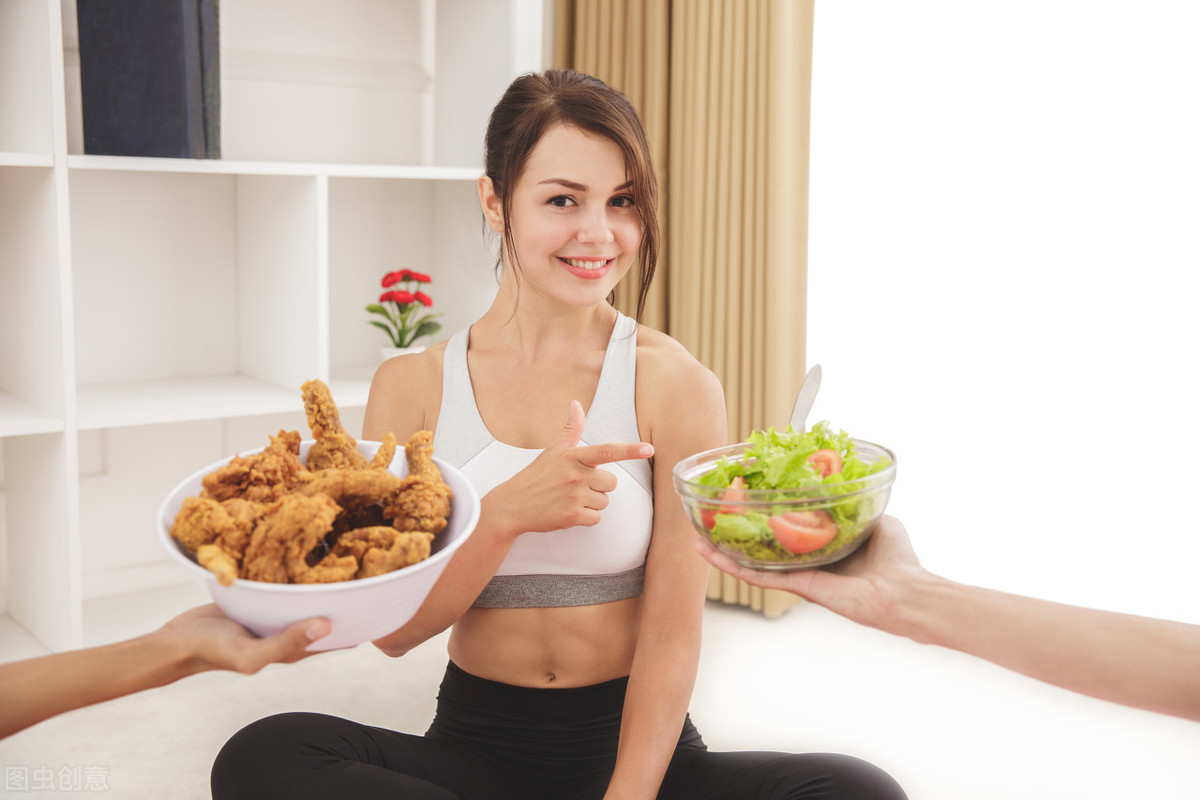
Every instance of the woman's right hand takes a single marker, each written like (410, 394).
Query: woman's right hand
(564, 486)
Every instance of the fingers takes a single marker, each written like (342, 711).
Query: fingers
(573, 430)
(290, 643)
(731, 567)
(597, 454)
(598, 500)
(719, 559)
(601, 480)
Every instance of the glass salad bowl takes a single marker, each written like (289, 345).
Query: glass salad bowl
(786, 528)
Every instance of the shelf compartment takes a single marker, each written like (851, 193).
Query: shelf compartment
(16, 643)
(41, 544)
(18, 418)
(377, 226)
(32, 375)
(215, 281)
(126, 472)
(26, 113)
(290, 66)
(118, 405)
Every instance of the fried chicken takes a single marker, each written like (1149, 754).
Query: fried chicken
(263, 477)
(386, 452)
(200, 521)
(333, 448)
(354, 489)
(218, 561)
(423, 503)
(245, 515)
(217, 533)
(383, 549)
(291, 529)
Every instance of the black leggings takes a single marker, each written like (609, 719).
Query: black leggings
(493, 741)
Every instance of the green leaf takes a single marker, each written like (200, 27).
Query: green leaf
(381, 312)
(749, 525)
(428, 327)
(386, 330)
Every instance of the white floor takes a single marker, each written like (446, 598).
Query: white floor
(947, 726)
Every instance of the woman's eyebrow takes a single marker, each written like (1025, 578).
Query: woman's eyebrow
(579, 187)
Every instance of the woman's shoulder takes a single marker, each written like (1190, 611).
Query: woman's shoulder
(406, 392)
(659, 350)
(412, 367)
(669, 374)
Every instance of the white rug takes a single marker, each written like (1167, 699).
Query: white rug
(947, 726)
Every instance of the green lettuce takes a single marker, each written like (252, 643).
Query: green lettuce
(750, 533)
(778, 460)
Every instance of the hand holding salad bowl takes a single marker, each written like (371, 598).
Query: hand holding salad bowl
(788, 500)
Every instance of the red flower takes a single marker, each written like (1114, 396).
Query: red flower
(423, 299)
(403, 298)
(392, 278)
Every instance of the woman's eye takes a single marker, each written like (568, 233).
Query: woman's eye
(562, 201)
(624, 201)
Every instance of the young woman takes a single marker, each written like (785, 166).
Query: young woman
(577, 602)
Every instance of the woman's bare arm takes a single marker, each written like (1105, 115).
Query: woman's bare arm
(1136, 661)
(197, 640)
(688, 416)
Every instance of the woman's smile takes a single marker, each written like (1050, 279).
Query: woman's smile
(587, 268)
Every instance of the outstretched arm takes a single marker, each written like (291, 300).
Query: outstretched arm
(1136, 661)
(197, 640)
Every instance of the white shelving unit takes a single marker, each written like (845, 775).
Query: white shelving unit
(159, 314)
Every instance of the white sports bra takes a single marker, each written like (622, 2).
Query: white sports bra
(583, 565)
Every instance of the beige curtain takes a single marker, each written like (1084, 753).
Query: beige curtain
(723, 87)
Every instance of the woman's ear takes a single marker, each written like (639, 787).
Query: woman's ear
(490, 203)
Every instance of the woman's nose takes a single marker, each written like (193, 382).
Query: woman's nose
(594, 227)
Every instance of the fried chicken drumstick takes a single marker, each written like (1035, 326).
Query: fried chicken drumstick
(333, 448)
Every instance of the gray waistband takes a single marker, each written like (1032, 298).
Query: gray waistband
(542, 591)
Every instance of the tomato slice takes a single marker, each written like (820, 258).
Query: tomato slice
(803, 531)
(730, 503)
(826, 462)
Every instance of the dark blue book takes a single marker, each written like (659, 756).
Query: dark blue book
(150, 77)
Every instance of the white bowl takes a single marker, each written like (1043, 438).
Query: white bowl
(358, 610)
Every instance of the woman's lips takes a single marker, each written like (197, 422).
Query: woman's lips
(587, 268)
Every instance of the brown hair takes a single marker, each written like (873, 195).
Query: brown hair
(535, 102)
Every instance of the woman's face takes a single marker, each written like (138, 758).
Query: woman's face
(574, 224)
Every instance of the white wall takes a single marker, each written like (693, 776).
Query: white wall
(1004, 272)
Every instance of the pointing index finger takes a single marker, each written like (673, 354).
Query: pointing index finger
(596, 454)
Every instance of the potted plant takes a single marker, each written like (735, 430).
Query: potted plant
(399, 306)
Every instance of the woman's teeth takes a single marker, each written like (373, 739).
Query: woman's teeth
(589, 264)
